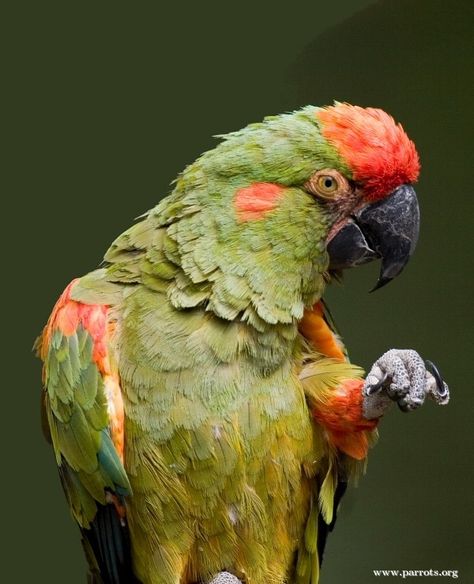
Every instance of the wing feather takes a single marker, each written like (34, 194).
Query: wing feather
(84, 421)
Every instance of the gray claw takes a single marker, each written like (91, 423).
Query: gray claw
(403, 407)
(372, 389)
(442, 387)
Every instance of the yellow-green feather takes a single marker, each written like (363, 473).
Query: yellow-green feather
(221, 450)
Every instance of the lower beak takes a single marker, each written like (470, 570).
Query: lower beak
(387, 229)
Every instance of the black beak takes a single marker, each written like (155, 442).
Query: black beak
(387, 229)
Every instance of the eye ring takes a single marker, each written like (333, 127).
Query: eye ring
(327, 184)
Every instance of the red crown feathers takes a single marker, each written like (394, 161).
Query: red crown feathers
(379, 153)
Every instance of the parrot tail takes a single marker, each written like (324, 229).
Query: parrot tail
(324, 529)
(107, 548)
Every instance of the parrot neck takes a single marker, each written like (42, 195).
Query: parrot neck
(254, 279)
(262, 273)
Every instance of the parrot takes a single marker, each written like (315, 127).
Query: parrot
(204, 414)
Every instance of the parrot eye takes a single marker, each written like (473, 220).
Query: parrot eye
(327, 184)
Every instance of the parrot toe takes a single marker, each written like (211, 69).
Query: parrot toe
(375, 384)
(403, 377)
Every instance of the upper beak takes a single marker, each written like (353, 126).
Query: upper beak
(387, 229)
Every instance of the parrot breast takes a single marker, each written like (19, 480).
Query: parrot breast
(219, 456)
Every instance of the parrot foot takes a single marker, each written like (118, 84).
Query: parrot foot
(402, 376)
(225, 578)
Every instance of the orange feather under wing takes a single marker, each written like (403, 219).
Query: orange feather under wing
(315, 329)
(340, 412)
(342, 417)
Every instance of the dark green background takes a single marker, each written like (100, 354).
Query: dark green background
(107, 102)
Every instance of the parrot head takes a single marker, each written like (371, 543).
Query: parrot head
(375, 206)
(297, 198)
(355, 162)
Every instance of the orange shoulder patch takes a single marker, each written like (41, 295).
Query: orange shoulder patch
(67, 316)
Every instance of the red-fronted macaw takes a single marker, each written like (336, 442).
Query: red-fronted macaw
(204, 415)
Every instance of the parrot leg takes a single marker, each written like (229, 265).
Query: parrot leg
(401, 376)
(225, 578)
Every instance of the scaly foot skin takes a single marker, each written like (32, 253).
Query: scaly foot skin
(401, 376)
(225, 578)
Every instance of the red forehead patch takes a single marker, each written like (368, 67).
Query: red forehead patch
(252, 202)
(379, 153)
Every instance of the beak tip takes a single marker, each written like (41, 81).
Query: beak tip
(381, 282)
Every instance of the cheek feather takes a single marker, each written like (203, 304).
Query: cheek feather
(253, 202)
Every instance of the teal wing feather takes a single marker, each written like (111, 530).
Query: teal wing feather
(83, 428)
(76, 412)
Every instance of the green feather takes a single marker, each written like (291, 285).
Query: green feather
(326, 494)
(221, 451)
(76, 412)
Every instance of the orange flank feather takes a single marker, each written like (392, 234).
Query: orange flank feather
(342, 417)
(314, 328)
(67, 315)
(341, 411)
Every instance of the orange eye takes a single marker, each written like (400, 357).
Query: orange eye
(327, 184)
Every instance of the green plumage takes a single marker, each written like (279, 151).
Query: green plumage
(77, 418)
(226, 466)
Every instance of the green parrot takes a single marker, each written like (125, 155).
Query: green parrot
(202, 409)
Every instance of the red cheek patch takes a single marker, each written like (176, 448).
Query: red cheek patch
(251, 203)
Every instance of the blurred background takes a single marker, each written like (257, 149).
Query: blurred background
(106, 103)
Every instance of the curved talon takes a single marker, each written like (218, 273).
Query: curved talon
(403, 406)
(431, 367)
(378, 386)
